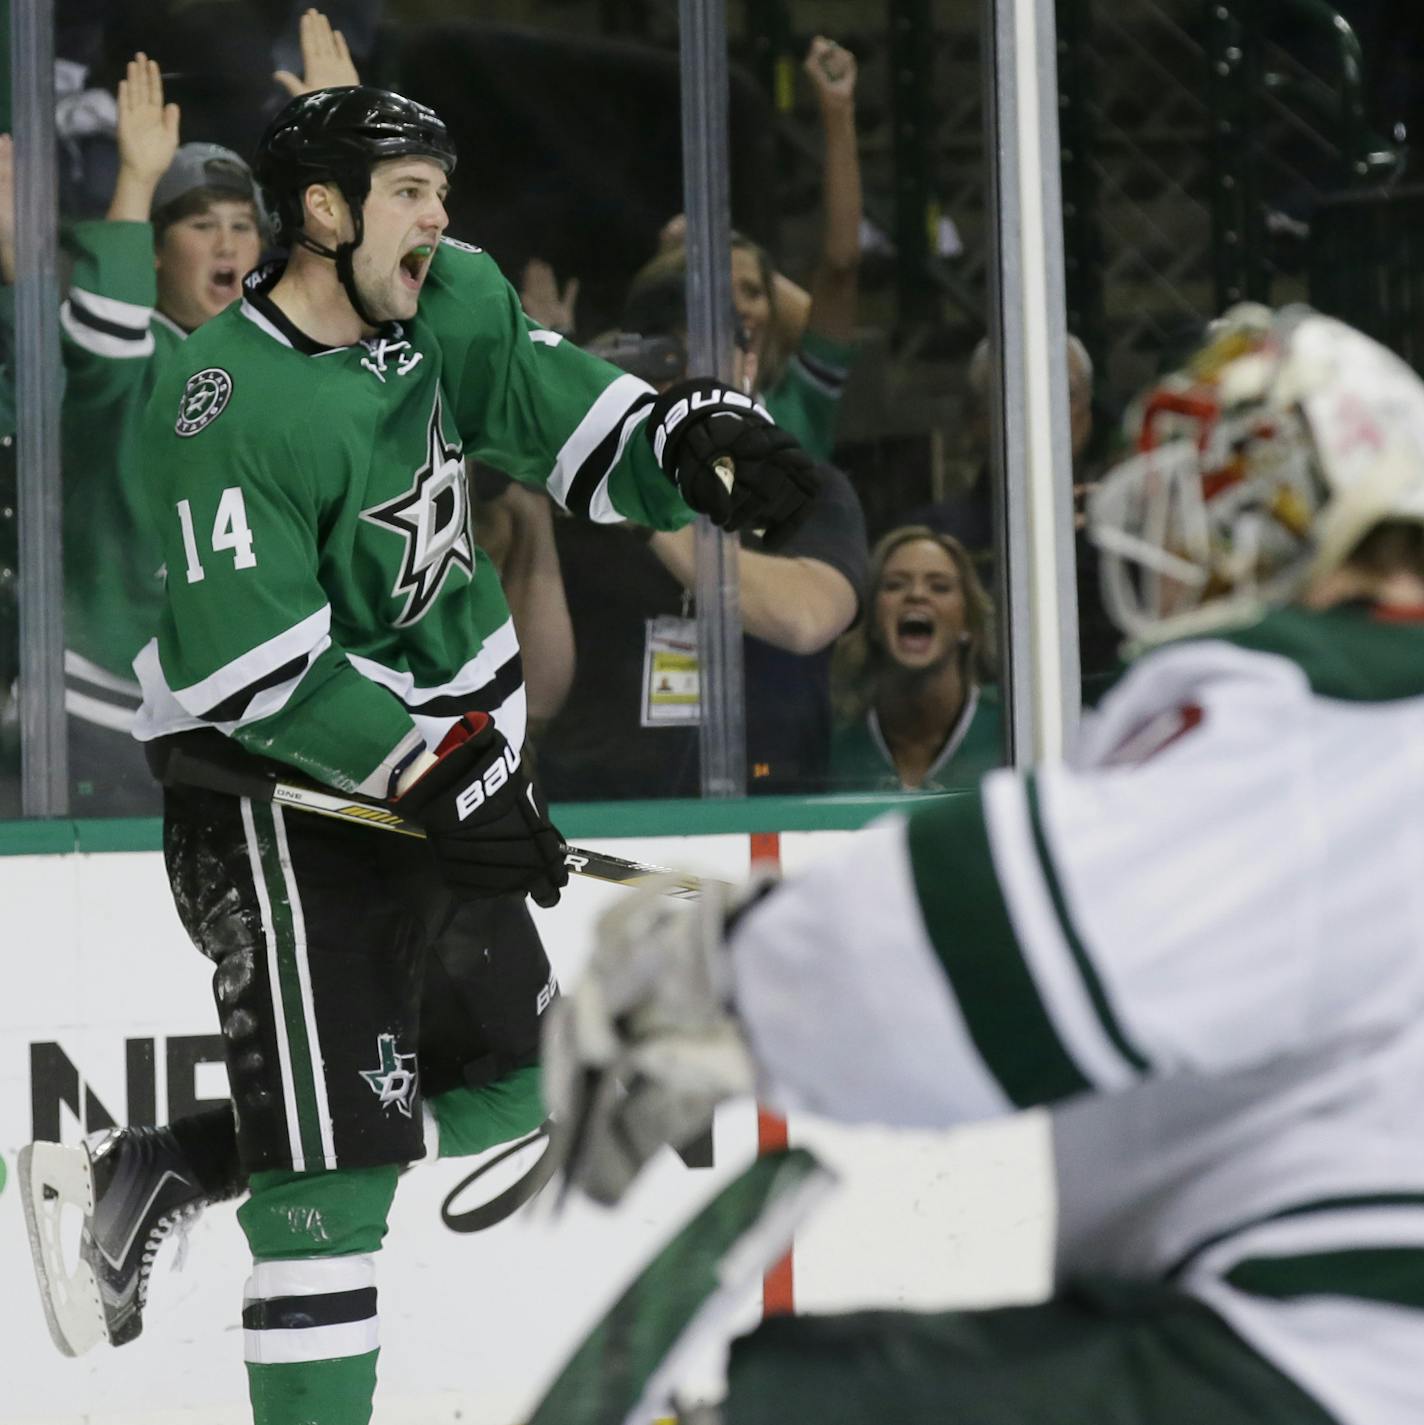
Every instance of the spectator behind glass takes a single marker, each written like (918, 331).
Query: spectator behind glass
(969, 515)
(182, 230)
(514, 526)
(916, 701)
(630, 726)
(802, 341)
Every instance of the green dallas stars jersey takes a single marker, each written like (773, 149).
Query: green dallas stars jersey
(1202, 945)
(326, 603)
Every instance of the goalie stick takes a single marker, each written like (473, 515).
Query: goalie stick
(629, 1367)
(185, 765)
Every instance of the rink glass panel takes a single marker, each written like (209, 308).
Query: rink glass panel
(567, 122)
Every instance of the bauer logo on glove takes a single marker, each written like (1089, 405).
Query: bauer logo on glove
(487, 783)
(486, 824)
(729, 461)
(702, 400)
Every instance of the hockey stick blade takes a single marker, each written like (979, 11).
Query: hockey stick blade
(184, 768)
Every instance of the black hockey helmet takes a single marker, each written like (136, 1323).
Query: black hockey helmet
(337, 136)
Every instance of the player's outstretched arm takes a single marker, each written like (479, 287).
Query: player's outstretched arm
(602, 443)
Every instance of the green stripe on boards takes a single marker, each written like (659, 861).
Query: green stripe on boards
(294, 1022)
(1094, 986)
(969, 927)
(313, 1392)
(1393, 1275)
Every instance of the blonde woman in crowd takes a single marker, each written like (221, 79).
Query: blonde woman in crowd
(919, 709)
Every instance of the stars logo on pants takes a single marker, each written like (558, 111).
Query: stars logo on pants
(432, 516)
(394, 1082)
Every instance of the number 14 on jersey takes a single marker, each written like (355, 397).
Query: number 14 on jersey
(230, 531)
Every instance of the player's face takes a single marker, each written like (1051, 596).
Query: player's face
(750, 298)
(202, 259)
(919, 606)
(404, 218)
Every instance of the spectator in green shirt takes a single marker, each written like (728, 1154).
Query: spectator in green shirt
(182, 231)
(919, 710)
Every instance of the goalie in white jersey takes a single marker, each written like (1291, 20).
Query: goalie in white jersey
(1200, 944)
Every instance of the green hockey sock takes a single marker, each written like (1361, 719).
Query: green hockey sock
(309, 1312)
(470, 1120)
(336, 1392)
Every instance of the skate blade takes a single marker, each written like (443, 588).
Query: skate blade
(53, 1177)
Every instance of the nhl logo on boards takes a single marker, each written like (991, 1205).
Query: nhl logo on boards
(204, 399)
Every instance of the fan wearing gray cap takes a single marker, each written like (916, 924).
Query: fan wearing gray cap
(182, 230)
(199, 198)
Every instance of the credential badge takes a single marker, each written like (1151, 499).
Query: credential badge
(204, 399)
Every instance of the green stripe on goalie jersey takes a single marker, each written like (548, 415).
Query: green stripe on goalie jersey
(1392, 1275)
(1097, 995)
(969, 926)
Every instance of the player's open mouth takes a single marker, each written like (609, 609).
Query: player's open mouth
(414, 264)
(224, 281)
(915, 632)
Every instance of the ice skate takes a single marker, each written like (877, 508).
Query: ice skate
(133, 1187)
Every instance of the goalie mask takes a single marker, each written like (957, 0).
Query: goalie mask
(337, 136)
(1259, 467)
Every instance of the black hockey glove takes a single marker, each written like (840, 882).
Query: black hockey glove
(487, 825)
(729, 462)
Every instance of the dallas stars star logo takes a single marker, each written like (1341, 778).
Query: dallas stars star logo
(432, 516)
(394, 1082)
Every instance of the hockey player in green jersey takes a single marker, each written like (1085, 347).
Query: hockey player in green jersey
(329, 612)
(1200, 944)
(181, 231)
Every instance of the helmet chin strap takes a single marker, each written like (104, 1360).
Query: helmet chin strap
(342, 254)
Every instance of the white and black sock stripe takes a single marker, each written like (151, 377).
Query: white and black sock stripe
(320, 1309)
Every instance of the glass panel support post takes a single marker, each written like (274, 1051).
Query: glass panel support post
(1031, 449)
(707, 205)
(44, 760)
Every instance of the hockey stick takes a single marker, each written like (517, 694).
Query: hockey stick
(186, 768)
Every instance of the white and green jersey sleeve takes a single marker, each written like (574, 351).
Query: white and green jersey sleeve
(113, 340)
(327, 602)
(1202, 947)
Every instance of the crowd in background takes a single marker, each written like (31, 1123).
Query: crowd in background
(867, 668)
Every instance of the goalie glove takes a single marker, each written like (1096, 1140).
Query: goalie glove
(485, 821)
(729, 461)
(646, 1046)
